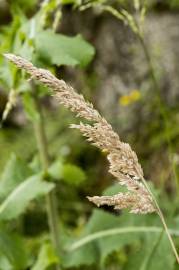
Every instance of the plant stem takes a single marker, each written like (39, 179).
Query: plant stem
(168, 234)
(45, 161)
(159, 212)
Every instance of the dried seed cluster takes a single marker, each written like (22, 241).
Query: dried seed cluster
(123, 161)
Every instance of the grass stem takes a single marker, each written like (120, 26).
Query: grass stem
(161, 216)
(51, 205)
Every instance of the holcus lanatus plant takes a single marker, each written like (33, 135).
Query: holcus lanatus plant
(123, 161)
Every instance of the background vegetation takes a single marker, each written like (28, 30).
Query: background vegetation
(123, 56)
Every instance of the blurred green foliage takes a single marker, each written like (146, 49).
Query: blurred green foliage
(89, 239)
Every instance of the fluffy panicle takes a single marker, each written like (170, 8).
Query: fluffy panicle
(123, 161)
(64, 93)
(123, 200)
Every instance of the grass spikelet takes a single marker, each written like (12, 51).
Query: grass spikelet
(123, 162)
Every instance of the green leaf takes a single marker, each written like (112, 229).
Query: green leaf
(24, 4)
(88, 256)
(56, 169)
(69, 173)
(73, 174)
(29, 106)
(114, 189)
(106, 233)
(12, 251)
(62, 50)
(153, 250)
(18, 199)
(14, 173)
(72, 2)
(45, 258)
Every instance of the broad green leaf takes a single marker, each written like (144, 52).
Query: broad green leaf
(62, 50)
(14, 173)
(56, 169)
(106, 233)
(123, 230)
(18, 199)
(152, 258)
(69, 173)
(13, 253)
(73, 174)
(46, 258)
(90, 255)
(29, 106)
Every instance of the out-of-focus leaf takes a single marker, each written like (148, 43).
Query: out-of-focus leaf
(24, 4)
(74, 2)
(98, 221)
(29, 107)
(114, 189)
(174, 3)
(73, 174)
(18, 199)
(104, 246)
(13, 253)
(56, 169)
(62, 50)
(35, 164)
(69, 173)
(46, 258)
(87, 256)
(101, 221)
(4, 263)
(14, 173)
(153, 250)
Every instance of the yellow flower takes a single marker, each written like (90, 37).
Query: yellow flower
(133, 96)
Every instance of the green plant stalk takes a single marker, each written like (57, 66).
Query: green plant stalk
(161, 216)
(51, 206)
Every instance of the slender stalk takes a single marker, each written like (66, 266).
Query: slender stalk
(159, 212)
(51, 206)
(149, 62)
(168, 234)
